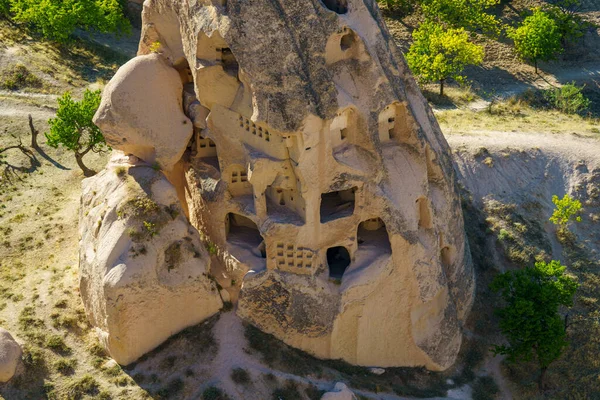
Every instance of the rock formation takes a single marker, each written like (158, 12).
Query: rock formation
(339, 392)
(315, 171)
(10, 356)
(143, 270)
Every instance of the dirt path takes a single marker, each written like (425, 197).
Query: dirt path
(583, 74)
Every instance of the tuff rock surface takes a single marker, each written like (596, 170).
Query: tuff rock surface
(141, 112)
(143, 270)
(339, 392)
(316, 173)
(10, 355)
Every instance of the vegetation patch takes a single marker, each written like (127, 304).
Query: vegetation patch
(18, 77)
(240, 376)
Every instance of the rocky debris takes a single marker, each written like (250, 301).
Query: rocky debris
(339, 392)
(142, 112)
(143, 269)
(10, 355)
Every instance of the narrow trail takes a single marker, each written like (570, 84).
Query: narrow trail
(582, 74)
(229, 332)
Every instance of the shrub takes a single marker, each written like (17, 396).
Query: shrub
(568, 98)
(173, 387)
(19, 77)
(288, 392)
(566, 210)
(240, 376)
(485, 388)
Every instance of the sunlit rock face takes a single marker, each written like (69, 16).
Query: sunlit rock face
(317, 174)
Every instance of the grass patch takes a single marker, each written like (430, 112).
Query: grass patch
(288, 392)
(78, 388)
(65, 366)
(174, 387)
(57, 343)
(18, 77)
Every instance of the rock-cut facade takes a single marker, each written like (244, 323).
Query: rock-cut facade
(306, 160)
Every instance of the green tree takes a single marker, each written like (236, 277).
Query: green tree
(566, 210)
(537, 39)
(438, 54)
(468, 14)
(530, 320)
(57, 20)
(73, 127)
(570, 23)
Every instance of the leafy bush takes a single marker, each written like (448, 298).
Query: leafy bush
(568, 98)
(57, 20)
(566, 209)
(438, 54)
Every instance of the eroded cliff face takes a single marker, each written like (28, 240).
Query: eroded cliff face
(316, 172)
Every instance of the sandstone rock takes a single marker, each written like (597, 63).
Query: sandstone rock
(143, 270)
(141, 111)
(339, 392)
(10, 355)
(317, 172)
(377, 371)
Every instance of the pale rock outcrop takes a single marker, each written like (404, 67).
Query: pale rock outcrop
(141, 112)
(143, 270)
(340, 392)
(316, 173)
(10, 355)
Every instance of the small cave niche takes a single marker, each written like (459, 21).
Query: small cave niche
(337, 6)
(373, 236)
(338, 260)
(434, 171)
(238, 181)
(424, 213)
(343, 128)
(348, 41)
(395, 124)
(228, 61)
(447, 256)
(243, 232)
(373, 240)
(285, 205)
(338, 204)
(206, 150)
